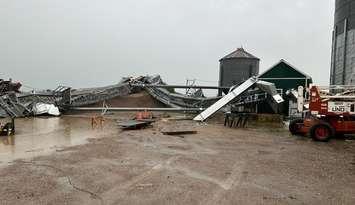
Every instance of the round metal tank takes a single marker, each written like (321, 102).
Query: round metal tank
(237, 67)
(344, 10)
(343, 48)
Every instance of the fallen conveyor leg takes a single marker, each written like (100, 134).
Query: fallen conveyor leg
(265, 86)
(226, 99)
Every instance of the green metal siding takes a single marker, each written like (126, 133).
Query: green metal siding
(282, 71)
(287, 84)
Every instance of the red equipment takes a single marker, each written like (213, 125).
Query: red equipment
(145, 115)
(328, 116)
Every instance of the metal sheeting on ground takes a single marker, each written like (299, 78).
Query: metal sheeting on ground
(45, 109)
(10, 106)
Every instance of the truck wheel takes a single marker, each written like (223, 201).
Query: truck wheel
(295, 127)
(322, 132)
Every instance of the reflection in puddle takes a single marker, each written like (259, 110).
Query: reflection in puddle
(7, 140)
(39, 136)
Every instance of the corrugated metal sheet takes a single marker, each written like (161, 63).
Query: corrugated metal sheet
(237, 67)
(285, 76)
(239, 53)
(343, 48)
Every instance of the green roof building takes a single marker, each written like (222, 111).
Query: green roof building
(286, 77)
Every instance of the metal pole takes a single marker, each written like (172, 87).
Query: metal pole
(345, 47)
(123, 109)
(281, 78)
(333, 66)
(220, 92)
(179, 86)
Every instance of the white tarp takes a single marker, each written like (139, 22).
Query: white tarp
(43, 108)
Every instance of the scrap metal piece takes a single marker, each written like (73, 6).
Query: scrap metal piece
(9, 86)
(236, 119)
(134, 124)
(179, 132)
(179, 86)
(11, 107)
(270, 89)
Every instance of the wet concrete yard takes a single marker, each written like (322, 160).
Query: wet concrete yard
(218, 165)
(40, 136)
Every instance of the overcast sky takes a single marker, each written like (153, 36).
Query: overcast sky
(84, 43)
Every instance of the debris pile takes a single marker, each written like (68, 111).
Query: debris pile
(11, 106)
(14, 103)
(9, 86)
(237, 92)
(173, 99)
(88, 96)
(19, 104)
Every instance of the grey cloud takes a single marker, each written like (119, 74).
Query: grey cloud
(89, 42)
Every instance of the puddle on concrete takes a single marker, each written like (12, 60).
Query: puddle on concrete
(41, 136)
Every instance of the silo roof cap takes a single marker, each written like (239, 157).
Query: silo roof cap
(239, 53)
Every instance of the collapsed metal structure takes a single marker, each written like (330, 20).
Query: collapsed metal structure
(8, 86)
(173, 99)
(11, 107)
(237, 92)
(22, 104)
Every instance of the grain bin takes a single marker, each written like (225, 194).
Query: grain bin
(343, 48)
(237, 67)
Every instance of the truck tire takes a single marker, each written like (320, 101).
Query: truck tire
(322, 132)
(294, 126)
